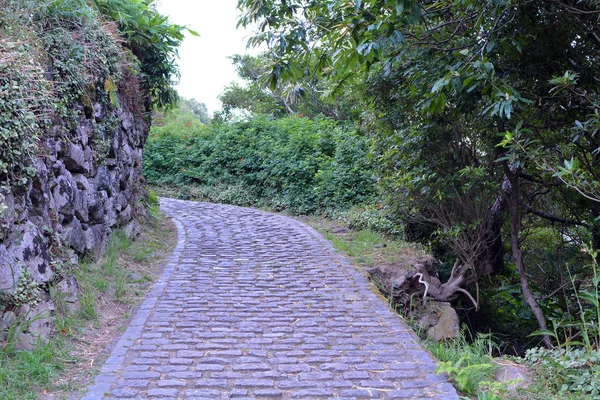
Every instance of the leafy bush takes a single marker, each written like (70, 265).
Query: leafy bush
(153, 40)
(294, 163)
(572, 373)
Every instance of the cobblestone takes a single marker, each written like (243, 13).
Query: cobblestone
(258, 305)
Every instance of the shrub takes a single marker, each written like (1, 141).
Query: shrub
(295, 164)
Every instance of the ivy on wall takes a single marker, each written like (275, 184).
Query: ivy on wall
(60, 57)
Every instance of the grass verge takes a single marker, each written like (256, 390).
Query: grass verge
(110, 291)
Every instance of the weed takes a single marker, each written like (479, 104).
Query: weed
(467, 364)
(22, 370)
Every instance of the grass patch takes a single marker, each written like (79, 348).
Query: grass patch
(22, 371)
(366, 248)
(110, 290)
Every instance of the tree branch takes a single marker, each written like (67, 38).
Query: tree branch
(551, 217)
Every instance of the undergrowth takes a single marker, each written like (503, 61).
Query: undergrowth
(570, 371)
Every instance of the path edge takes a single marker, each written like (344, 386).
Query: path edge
(112, 365)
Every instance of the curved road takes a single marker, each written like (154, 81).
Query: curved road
(258, 305)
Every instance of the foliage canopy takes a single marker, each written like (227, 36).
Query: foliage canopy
(483, 117)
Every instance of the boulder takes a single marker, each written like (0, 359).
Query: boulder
(74, 159)
(95, 240)
(68, 290)
(104, 180)
(84, 131)
(7, 213)
(88, 156)
(10, 271)
(29, 249)
(99, 112)
(65, 195)
(515, 374)
(73, 233)
(127, 121)
(81, 206)
(38, 321)
(124, 216)
(95, 203)
(447, 326)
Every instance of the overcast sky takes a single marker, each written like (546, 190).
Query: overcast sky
(203, 63)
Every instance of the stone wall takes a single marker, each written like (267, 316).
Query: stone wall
(88, 183)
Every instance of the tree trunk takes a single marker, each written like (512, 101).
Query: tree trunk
(515, 226)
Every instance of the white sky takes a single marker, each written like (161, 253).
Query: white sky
(203, 63)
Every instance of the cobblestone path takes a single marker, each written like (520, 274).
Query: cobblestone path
(257, 305)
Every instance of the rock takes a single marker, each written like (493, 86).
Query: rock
(448, 324)
(126, 120)
(18, 212)
(38, 319)
(6, 321)
(95, 240)
(338, 230)
(104, 180)
(84, 130)
(75, 237)
(88, 180)
(125, 155)
(29, 248)
(99, 112)
(110, 212)
(124, 216)
(38, 194)
(111, 163)
(68, 290)
(64, 194)
(516, 374)
(115, 144)
(10, 271)
(88, 155)
(132, 229)
(135, 277)
(82, 182)
(74, 159)
(95, 203)
(7, 212)
(81, 206)
(122, 200)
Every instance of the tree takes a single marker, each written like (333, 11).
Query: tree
(302, 96)
(153, 40)
(473, 102)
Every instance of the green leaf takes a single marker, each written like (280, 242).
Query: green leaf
(439, 84)
(192, 32)
(399, 7)
(590, 297)
(543, 332)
